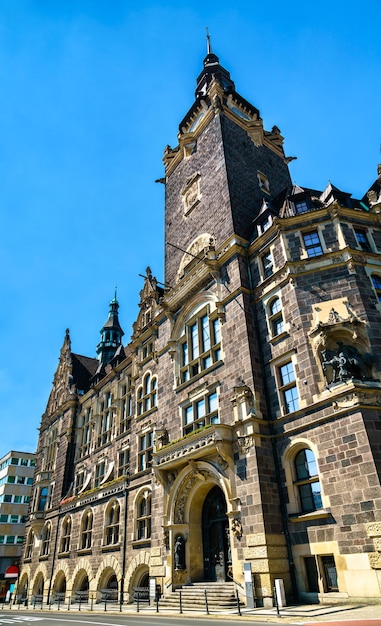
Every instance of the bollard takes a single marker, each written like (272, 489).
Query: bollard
(181, 603)
(79, 604)
(238, 604)
(105, 603)
(276, 602)
(137, 603)
(91, 603)
(59, 602)
(206, 602)
(69, 603)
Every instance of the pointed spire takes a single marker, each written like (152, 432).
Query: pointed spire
(111, 333)
(212, 69)
(208, 44)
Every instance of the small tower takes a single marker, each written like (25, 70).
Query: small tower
(111, 334)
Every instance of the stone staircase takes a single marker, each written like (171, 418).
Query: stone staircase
(220, 597)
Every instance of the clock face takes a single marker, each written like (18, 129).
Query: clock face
(240, 113)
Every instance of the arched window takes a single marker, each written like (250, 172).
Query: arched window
(112, 518)
(45, 539)
(86, 530)
(29, 544)
(276, 317)
(147, 394)
(143, 516)
(43, 498)
(307, 481)
(66, 534)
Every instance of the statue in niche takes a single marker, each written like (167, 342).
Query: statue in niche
(346, 363)
(180, 553)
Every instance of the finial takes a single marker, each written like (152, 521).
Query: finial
(208, 45)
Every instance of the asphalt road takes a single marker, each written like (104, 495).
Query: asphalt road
(57, 619)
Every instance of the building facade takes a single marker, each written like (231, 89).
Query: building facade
(241, 425)
(16, 479)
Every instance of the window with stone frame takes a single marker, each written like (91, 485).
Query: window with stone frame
(267, 264)
(363, 240)
(42, 498)
(125, 406)
(312, 243)
(66, 534)
(86, 432)
(200, 345)
(29, 544)
(143, 516)
(45, 539)
(100, 470)
(275, 317)
(124, 462)
(79, 481)
(307, 481)
(287, 388)
(112, 521)
(376, 281)
(50, 449)
(105, 420)
(86, 530)
(147, 394)
(200, 412)
(145, 450)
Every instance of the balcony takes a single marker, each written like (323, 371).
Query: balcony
(216, 439)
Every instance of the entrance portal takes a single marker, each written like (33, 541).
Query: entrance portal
(215, 537)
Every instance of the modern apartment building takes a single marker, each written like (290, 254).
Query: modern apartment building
(16, 479)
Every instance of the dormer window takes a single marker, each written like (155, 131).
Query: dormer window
(301, 207)
(263, 182)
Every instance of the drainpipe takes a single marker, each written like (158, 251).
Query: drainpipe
(273, 443)
(124, 541)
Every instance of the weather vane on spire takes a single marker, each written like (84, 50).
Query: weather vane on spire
(208, 46)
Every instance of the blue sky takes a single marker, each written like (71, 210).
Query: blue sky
(91, 92)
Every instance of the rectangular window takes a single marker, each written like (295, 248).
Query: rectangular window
(126, 407)
(10, 539)
(200, 346)
(288, 388)
(268, 265)
(14, 519)
(105, 423)
(363, 240)
(100, 473)
(3, 519)
(79, 481)
(312, 244)
(145, 451)
(14, 461)
(301, 207)
(200, 413)
(124, 463)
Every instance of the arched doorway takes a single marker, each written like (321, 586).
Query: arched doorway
(215, 537)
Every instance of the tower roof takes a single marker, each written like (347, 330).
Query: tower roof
(111, 334)
(212, 70)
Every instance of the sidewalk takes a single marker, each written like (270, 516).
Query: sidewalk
(300, 614)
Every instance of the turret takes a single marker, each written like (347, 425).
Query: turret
(111, 334)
